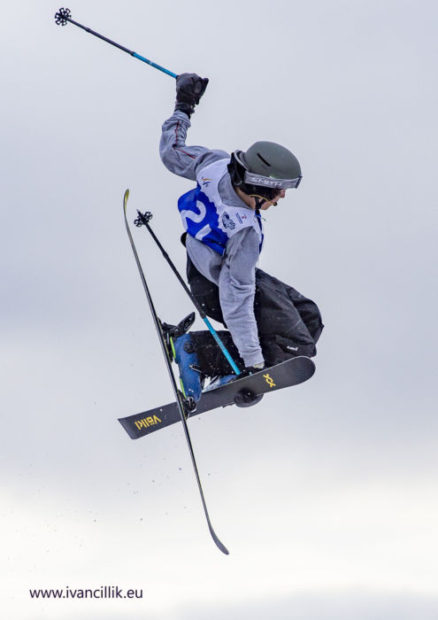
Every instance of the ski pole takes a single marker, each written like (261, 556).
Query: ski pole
(143, 220)
(64, 15)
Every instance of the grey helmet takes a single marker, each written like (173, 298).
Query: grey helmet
(264, 169)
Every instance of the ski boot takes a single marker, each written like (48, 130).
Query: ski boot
(189, 372)
(181, 350)
(172, 332)
(217, 382)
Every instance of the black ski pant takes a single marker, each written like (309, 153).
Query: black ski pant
(289, 324)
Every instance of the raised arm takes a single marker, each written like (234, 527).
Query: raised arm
(179, 158)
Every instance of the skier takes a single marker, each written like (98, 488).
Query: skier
(268, 321)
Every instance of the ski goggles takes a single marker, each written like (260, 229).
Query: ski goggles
(257, 179)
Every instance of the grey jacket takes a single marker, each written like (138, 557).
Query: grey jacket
(233, 273)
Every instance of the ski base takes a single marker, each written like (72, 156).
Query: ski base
(241, 392)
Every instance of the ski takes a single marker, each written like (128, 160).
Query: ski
(242, 392)
(178, 398)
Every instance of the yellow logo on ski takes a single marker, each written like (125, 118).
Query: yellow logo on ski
(146, 422)
(269, 380)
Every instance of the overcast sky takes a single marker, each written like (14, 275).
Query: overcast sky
(325, 493)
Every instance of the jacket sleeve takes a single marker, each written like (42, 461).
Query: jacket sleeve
(237, 291)
(183, 160)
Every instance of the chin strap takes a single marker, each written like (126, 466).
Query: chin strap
(259, 200)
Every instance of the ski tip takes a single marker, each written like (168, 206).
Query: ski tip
(222, 548)
(125, 198)
(220, 545)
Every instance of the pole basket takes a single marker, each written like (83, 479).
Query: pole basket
(62, 17)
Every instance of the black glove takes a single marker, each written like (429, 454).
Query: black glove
(189, 90)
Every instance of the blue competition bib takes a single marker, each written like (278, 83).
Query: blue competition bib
(201, 220)
(207, 218)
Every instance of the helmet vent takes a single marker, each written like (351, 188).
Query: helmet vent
(263, 160)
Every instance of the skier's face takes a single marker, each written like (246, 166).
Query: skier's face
(251, 201)
(270, 203)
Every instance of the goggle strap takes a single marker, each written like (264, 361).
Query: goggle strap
(257, 179)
